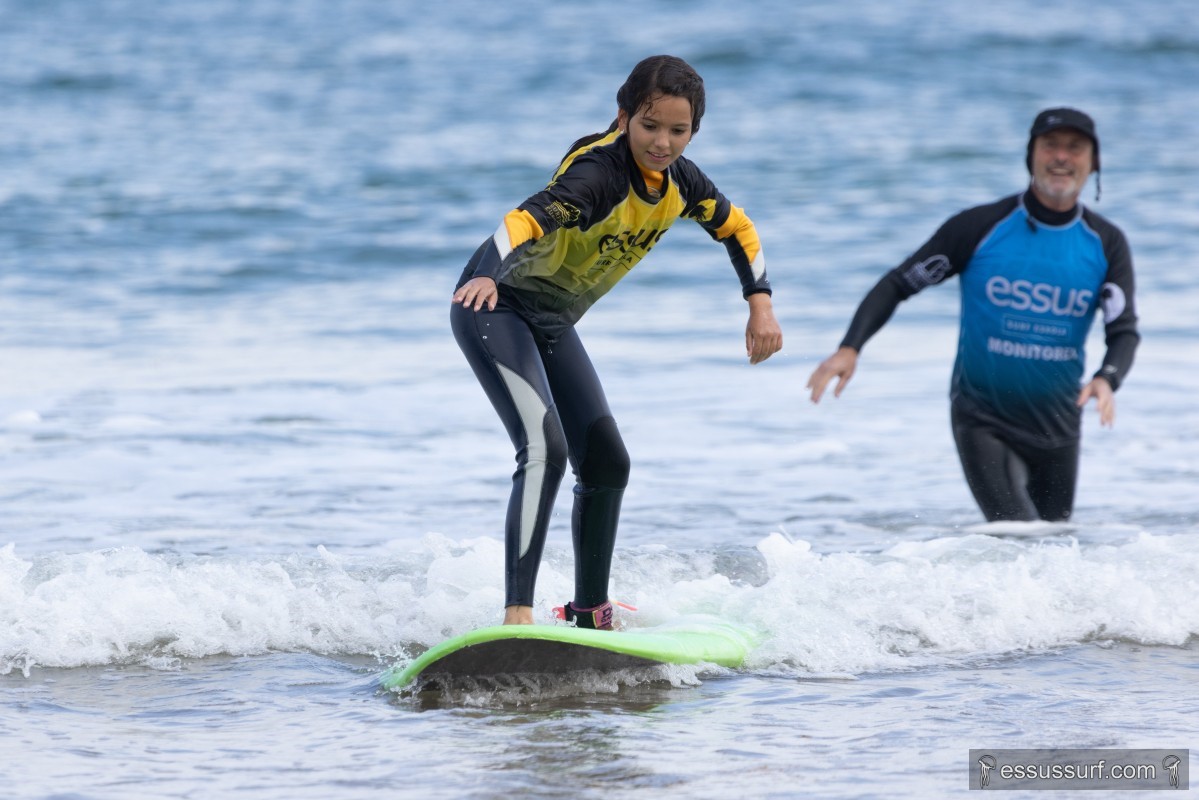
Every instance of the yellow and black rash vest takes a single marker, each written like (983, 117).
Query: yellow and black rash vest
(563, 248)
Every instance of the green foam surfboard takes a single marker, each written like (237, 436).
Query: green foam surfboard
(557, 649)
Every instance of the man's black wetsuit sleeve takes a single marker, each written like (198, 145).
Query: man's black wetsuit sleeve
(873, 312)
(945, 254)
(1119, 305)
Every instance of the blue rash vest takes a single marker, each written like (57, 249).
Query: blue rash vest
(1032, 282)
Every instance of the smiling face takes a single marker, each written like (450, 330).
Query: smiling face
(1062, 160)
(659, 131)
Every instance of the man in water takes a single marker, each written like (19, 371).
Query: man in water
(1034, 269)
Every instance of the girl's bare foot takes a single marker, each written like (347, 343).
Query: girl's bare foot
(518, 615)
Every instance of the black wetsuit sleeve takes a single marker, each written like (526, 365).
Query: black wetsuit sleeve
(873, 312)
(583, 193)
(945, 254)
(486, 262)
(1118, 301)
(730, 226)
(725, 223)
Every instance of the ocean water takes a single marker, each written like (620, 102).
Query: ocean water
(244, 469)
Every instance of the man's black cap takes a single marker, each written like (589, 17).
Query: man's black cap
(1052, 119)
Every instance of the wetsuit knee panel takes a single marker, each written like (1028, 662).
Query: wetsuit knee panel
(605, 461)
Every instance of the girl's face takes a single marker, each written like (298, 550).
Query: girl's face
(659, 131)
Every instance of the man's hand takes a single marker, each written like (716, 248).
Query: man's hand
(840, 365)
(1104, 396)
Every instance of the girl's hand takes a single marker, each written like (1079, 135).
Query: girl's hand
(478, 292)
(763, 336)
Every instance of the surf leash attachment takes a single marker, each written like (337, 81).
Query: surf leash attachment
(598, 618)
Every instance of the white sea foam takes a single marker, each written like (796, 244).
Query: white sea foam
(916, 604)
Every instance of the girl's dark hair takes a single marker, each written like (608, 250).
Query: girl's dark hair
(662, 75)
(655, 75)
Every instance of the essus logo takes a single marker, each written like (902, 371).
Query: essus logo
(1040, 298)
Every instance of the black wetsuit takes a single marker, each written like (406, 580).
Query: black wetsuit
(1032, 280)
(551, 258)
